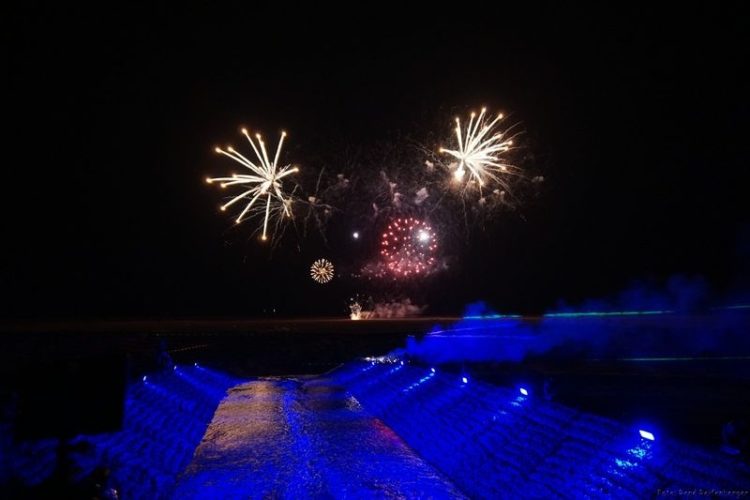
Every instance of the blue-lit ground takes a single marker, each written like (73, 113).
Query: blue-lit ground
(636, 405)
(165, 417)
(392, 429)
(497, 442)
(419, 423)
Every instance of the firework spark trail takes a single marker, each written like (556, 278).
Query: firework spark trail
(318, 209)
(480, 151)
(265, 181)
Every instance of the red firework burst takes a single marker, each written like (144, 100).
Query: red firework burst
(408, 247)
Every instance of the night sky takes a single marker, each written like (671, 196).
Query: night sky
(637, 120)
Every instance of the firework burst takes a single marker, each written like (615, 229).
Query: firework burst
(408, 247)
(262, 185)
(480, 153)
(322, 271)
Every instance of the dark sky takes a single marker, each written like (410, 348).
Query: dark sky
(638, 121)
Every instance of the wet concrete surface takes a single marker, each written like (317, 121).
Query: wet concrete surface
(304, 438)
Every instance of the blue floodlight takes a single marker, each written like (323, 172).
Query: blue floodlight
(646, 435)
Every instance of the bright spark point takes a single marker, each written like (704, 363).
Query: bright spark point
(356, 311)
(646, 434)
(480, 150)
(264, 183)
(321, 271)
(355, 235)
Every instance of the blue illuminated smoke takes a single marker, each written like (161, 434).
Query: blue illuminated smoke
(622, 334)
(640, 322)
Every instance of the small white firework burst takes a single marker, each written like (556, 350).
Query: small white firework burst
(322, 271)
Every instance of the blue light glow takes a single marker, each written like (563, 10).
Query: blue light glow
(145, 378)
(395, 369)
(736, 306)
(625, 464)
(639, 452)
(646, 435)
(419, 382)
(580, 314)
(685, 358)
(492, 316)
(523, 391)
(464, 380)
(432, 370)
(477, 435)
(609, 313)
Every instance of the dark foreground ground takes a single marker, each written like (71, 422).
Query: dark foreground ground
(245, 347)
